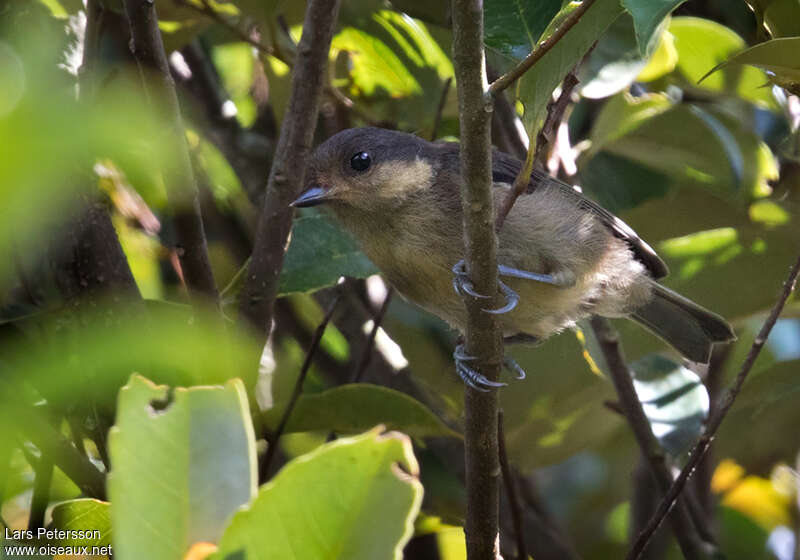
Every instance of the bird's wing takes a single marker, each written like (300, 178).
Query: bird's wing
(505, 169)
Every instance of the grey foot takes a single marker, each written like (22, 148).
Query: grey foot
(463, 285)
(477, 381)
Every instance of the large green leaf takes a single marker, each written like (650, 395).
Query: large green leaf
(182, 462)
(778, 57)
(615, 61)
(696, 144)
(87, 515)
(701, 45)
(320, 252)
(537, 85)
(357, 498)
(513, 27)
(647, 16)
(95, 354)
(358, 407)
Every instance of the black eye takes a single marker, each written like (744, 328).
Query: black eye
(361, 161)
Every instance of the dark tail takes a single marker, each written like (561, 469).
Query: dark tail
(685, 325)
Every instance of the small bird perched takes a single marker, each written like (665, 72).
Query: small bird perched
(566, 257)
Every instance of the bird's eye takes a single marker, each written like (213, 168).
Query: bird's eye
(361, 161)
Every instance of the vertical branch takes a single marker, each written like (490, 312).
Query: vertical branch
(257, 297)
(683, 528)
(148, 49)
(482, 336)
(511, 490)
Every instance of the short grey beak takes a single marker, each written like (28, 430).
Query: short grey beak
(311, 197)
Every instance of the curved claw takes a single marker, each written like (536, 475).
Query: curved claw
(462, 283)
(511, 365)
(470, 376)
(512, 299)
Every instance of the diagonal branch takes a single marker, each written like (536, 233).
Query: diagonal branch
(148, 49)
(724, 405)
(685, 533)
(257, 298)
(482, 337)
(504, 81)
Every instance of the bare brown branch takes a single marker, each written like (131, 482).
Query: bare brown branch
(722, 408)
(286, 177)
(482, 337)
(148, 49)
(683, 528)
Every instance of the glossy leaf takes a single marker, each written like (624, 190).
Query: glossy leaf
(536, 87)
(358, 407)
(647, 16)
(513, 27)
(84, 515)
(320, 252)
(701, 45)
(182, 462)
(674, 400)
(778, 57)
(360, 495)
(615, 61)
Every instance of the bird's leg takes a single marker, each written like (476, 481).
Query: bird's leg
(463, 285)
(562, 279)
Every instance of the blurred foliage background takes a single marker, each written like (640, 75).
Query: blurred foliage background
(705, 167)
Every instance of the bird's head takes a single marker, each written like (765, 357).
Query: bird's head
(367, 169)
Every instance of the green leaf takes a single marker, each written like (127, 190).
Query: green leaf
(513, 27)
(320, 252)
(647, 16)
(86, 515)
(778, 56)
(615, 61)
(96, 354)
(705, 147)
(375, 67)
(674, 400)
(358, 407)
(536, 87)
(358, 496)
(182, 463)
(701, 45)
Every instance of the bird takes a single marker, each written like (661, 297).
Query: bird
(561, 256)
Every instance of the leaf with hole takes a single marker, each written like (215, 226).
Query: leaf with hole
(183, 461)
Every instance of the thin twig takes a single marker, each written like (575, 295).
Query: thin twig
(724, 405)
(273, 50)
(437, 118)
(555, 113)
(257, 298)
(540, 50)
(511, 489)
(298, 385)
(482, 335)
(148, 49)
(683, 528)
(208, 10)
(363, 363)
(536, 157)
